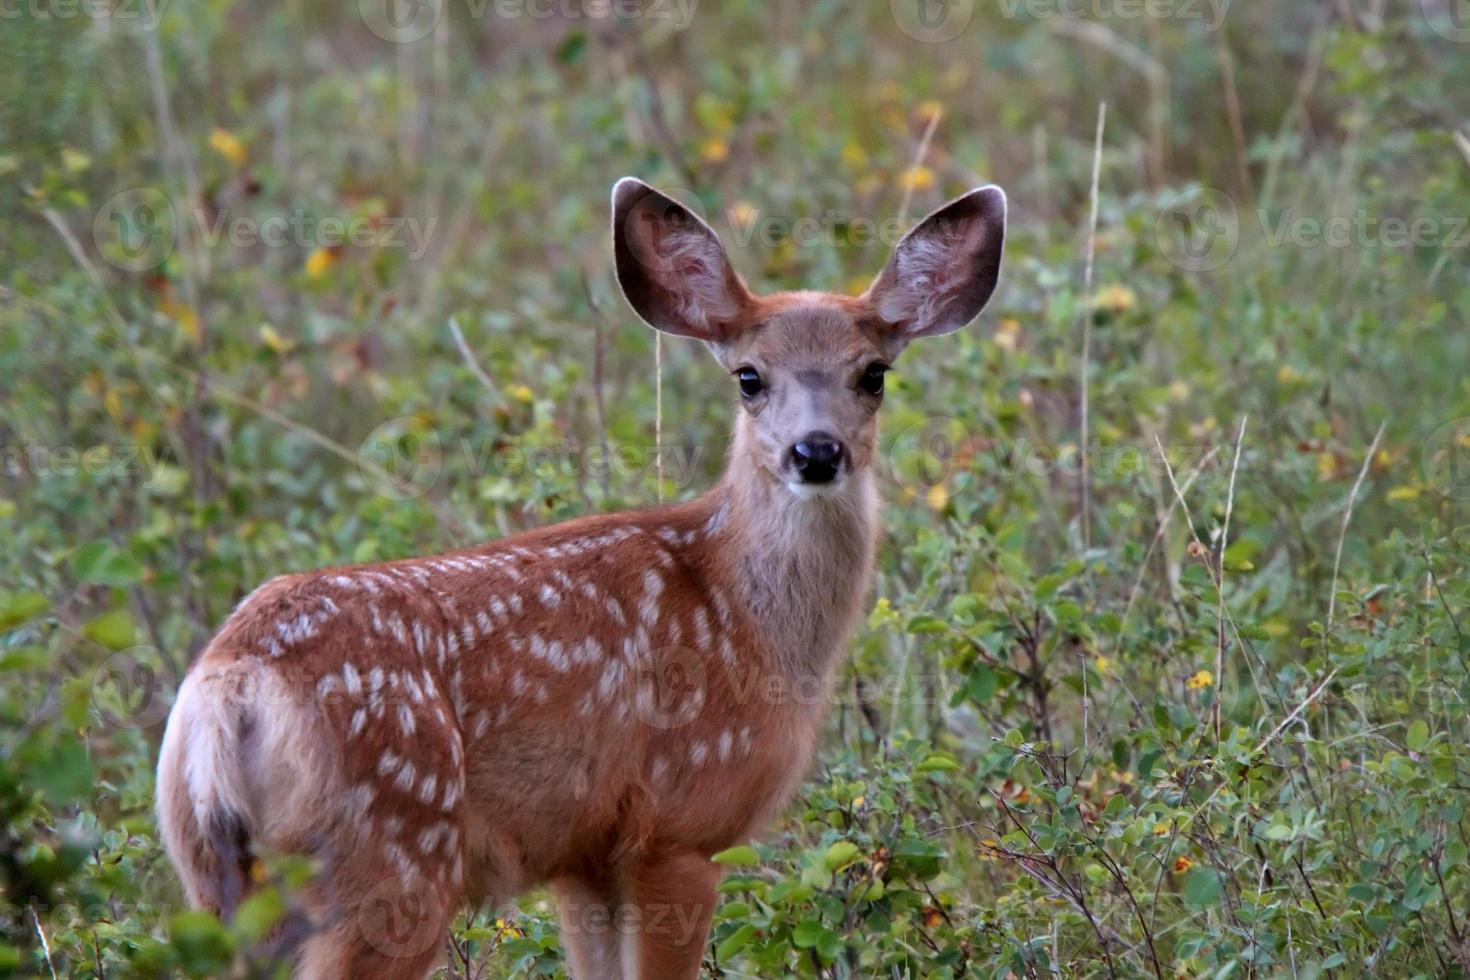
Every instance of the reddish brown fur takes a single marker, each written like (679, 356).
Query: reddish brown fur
(600, 705)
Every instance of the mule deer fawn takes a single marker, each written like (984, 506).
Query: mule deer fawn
(602, 704)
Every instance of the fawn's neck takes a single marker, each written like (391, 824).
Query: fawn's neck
(803, 566)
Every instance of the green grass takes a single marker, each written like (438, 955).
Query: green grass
(1026, 758)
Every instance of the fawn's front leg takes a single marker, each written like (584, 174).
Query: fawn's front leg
(587, 911)
(673, 899)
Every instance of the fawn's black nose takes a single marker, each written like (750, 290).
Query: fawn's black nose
(817, 458)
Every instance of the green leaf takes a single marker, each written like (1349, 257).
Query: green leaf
(735, 942)
(113, 630)
(20, 607)
(807, 934)
(101, 562)
(1417, 736)
(937, 762)
(255, 916)
(840, 855)
(1202, 888)
(742, 854)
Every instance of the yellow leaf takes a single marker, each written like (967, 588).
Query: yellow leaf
(1287, 374)
(919, 178)
(74, 161)
(318, 262)
(1404, 493)
(182, 314)
(112, 401)
(273, 340)
(228, 145)
(1114, 299)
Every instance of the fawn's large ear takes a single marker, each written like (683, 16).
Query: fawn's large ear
(942, 273)
(672, 267)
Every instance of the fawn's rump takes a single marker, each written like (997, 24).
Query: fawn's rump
(243, 763)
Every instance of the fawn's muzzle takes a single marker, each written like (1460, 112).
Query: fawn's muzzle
(817, 458)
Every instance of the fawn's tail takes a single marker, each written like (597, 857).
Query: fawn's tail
(201, 794)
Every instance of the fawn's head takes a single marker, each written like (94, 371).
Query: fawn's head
(808, 365)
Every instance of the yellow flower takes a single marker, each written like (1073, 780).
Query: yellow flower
(1178, 391)
(1160, 829)
(520, 393)
(858, 801)
(507, 930)
(318, 262)
(743, 215)
(1408, 492)
(854, 156)
(1200, 680)
(1182, 864)
(919, 178)
(1114, 299)
(715, 150)
(1103, 665)
(228, 145)
(929, 110)
(937, 496)
(1286, 374)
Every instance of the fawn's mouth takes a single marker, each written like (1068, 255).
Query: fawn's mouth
(805, 490)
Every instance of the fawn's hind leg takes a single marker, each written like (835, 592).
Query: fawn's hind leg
(386, 926)
(673, 899)
(587, 911)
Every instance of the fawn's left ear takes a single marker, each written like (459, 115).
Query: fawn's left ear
(672, 267)
(943, 272)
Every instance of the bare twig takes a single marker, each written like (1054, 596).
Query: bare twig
(1347, 515)
(469, 356)
(1085, 490)
(1295, 712)
(45, 945)
(919, 155)
(1225, 543)
(658, 411)
(1463, 142)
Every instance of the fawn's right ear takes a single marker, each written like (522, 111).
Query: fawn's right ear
(672, 267)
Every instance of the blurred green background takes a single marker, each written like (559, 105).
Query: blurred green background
(1090, 729)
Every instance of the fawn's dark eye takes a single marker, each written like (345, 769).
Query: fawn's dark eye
(750, 382)
(872, 379)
